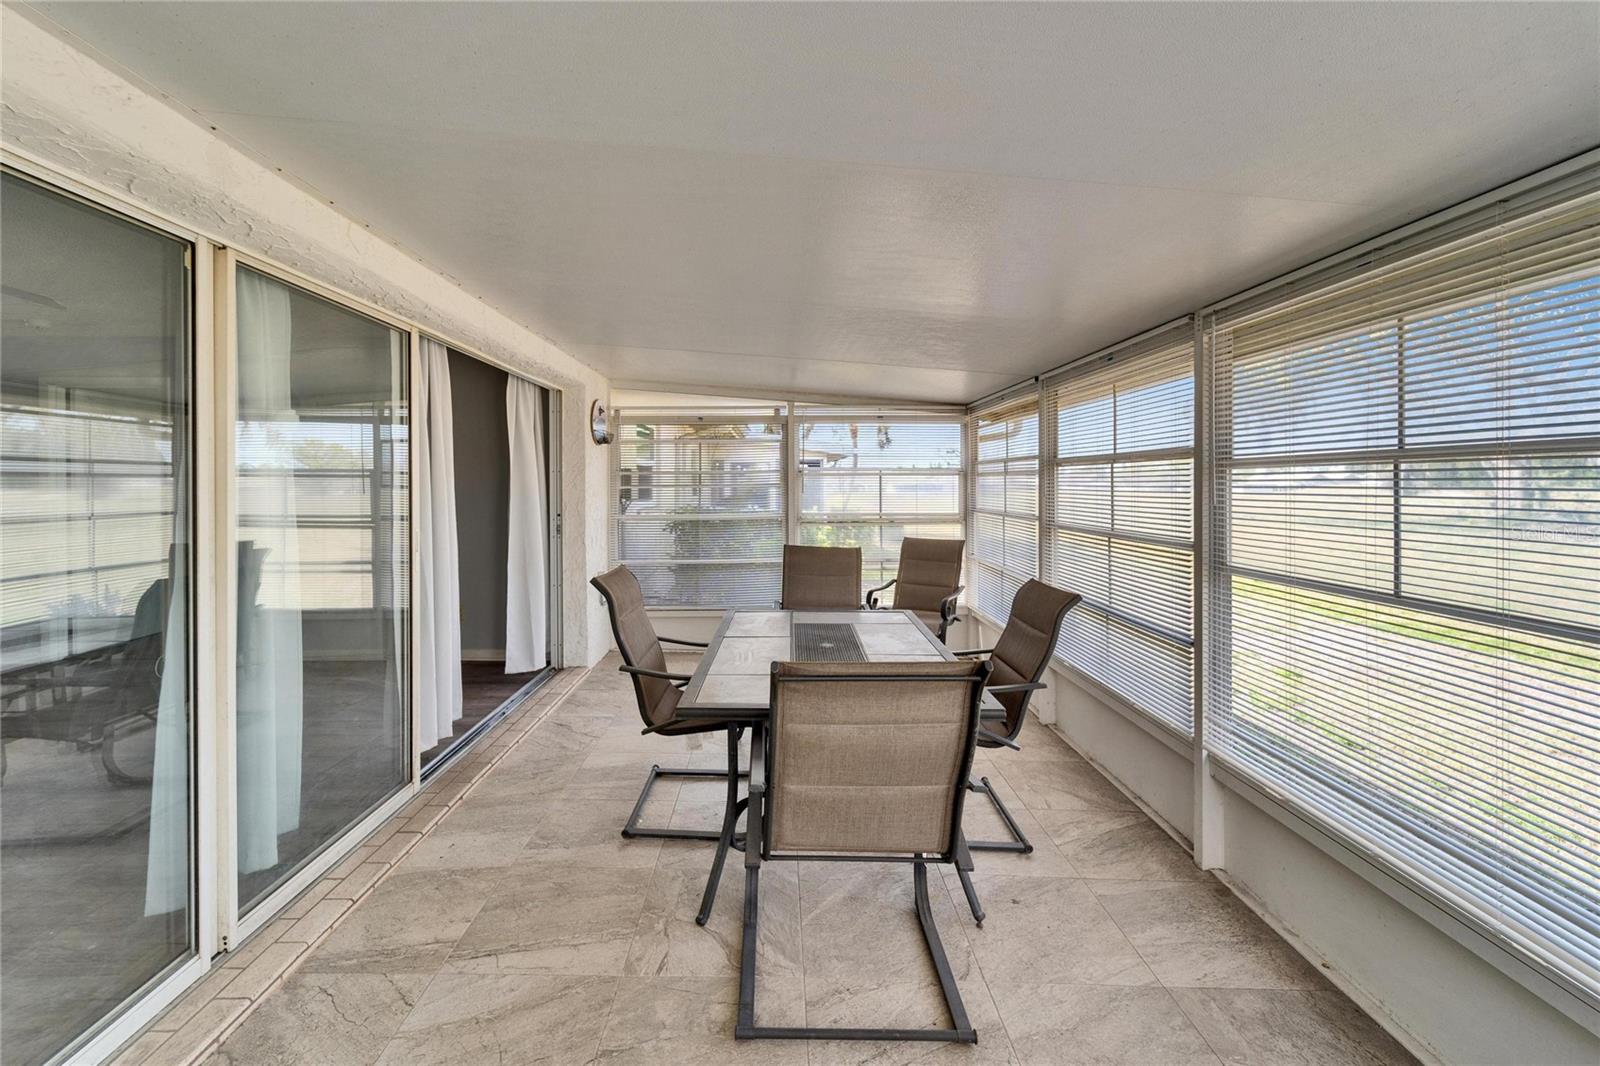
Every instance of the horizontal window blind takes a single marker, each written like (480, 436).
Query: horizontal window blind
(89, 513)
(1120, 519)
(698, 505)
(871, 478)
(1003, 548)
(1403, 620)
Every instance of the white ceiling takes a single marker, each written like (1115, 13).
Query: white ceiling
(904, 201)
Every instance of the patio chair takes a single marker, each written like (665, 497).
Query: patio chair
(1019, 658)
(928, 582)
(821, 579)
(865, 763)
(657, 692)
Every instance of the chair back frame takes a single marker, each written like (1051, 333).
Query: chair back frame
(1016, 718)
(834, 586)
(665, 692)
(948, 854)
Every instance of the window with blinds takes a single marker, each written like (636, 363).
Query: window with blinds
(869, 479)
(1003, 541)
(1403, 624)
(698, 506)
(1120, 519)
(88, 519)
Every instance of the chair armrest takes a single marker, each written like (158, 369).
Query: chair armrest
(998, 739)
(677, 679)
(872, 594)
(1027, 686)
(947, 606)
(971, 652)
(686, 643)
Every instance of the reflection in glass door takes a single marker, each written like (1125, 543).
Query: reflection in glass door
(96, 854)
(323, 464)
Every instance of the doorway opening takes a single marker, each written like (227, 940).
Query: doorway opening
(481, 433)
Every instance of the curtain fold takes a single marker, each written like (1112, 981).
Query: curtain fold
(526, 586)
(438, 549)
(269, 711)
(167, 866)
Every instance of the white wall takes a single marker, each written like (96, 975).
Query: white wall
(69, 112)
(1443, 1001)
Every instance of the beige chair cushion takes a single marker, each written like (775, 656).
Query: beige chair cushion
(930, 570)
(636, 640)
(870, 767)
(821, 579)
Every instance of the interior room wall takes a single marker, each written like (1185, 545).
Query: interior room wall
(72, 113)
(483, 484)
(1444, 1002)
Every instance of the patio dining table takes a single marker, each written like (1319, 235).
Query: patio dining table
(734, 679)
(733, 683)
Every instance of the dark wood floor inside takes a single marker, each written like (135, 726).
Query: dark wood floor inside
(484, 687)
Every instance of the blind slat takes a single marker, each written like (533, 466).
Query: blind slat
(1404, 617)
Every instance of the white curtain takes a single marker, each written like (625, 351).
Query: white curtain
(438, 549)
(269, 710)
(166, 885)
(526, 589)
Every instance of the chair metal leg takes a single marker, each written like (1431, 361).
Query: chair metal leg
(1019, 842)
(633, 830)
(730, 819)
(745, 1028)
(964, 868)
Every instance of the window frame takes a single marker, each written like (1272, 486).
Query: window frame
(1523, 956)
(820, 414)
(706, 414)
(1020, 403)
(1165, 341)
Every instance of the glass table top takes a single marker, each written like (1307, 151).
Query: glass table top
(735, 671)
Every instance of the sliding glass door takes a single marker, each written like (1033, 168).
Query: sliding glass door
(96, 844)
(321, 449)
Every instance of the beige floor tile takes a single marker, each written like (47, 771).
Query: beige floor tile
(449, 848)
(981, 821)
(526, 1019)
(1045, 930)
(659, 1020)
(584, 828)
(1121, 845)
(525, 929)
(859, 922)
(552, 917)
(1062, 785)
(1099, 1025)
(1256, 1027)
(668, 943)
(323, 1018)
(1199, 933)
(408, 924)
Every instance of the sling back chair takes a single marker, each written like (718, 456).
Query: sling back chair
(821, 579)
(1018, 659)
(928, 583)
(864, 762)
(658, 692)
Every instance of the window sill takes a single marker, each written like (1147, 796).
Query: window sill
(1561, 992)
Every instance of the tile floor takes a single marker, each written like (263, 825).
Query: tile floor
(524, 929)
